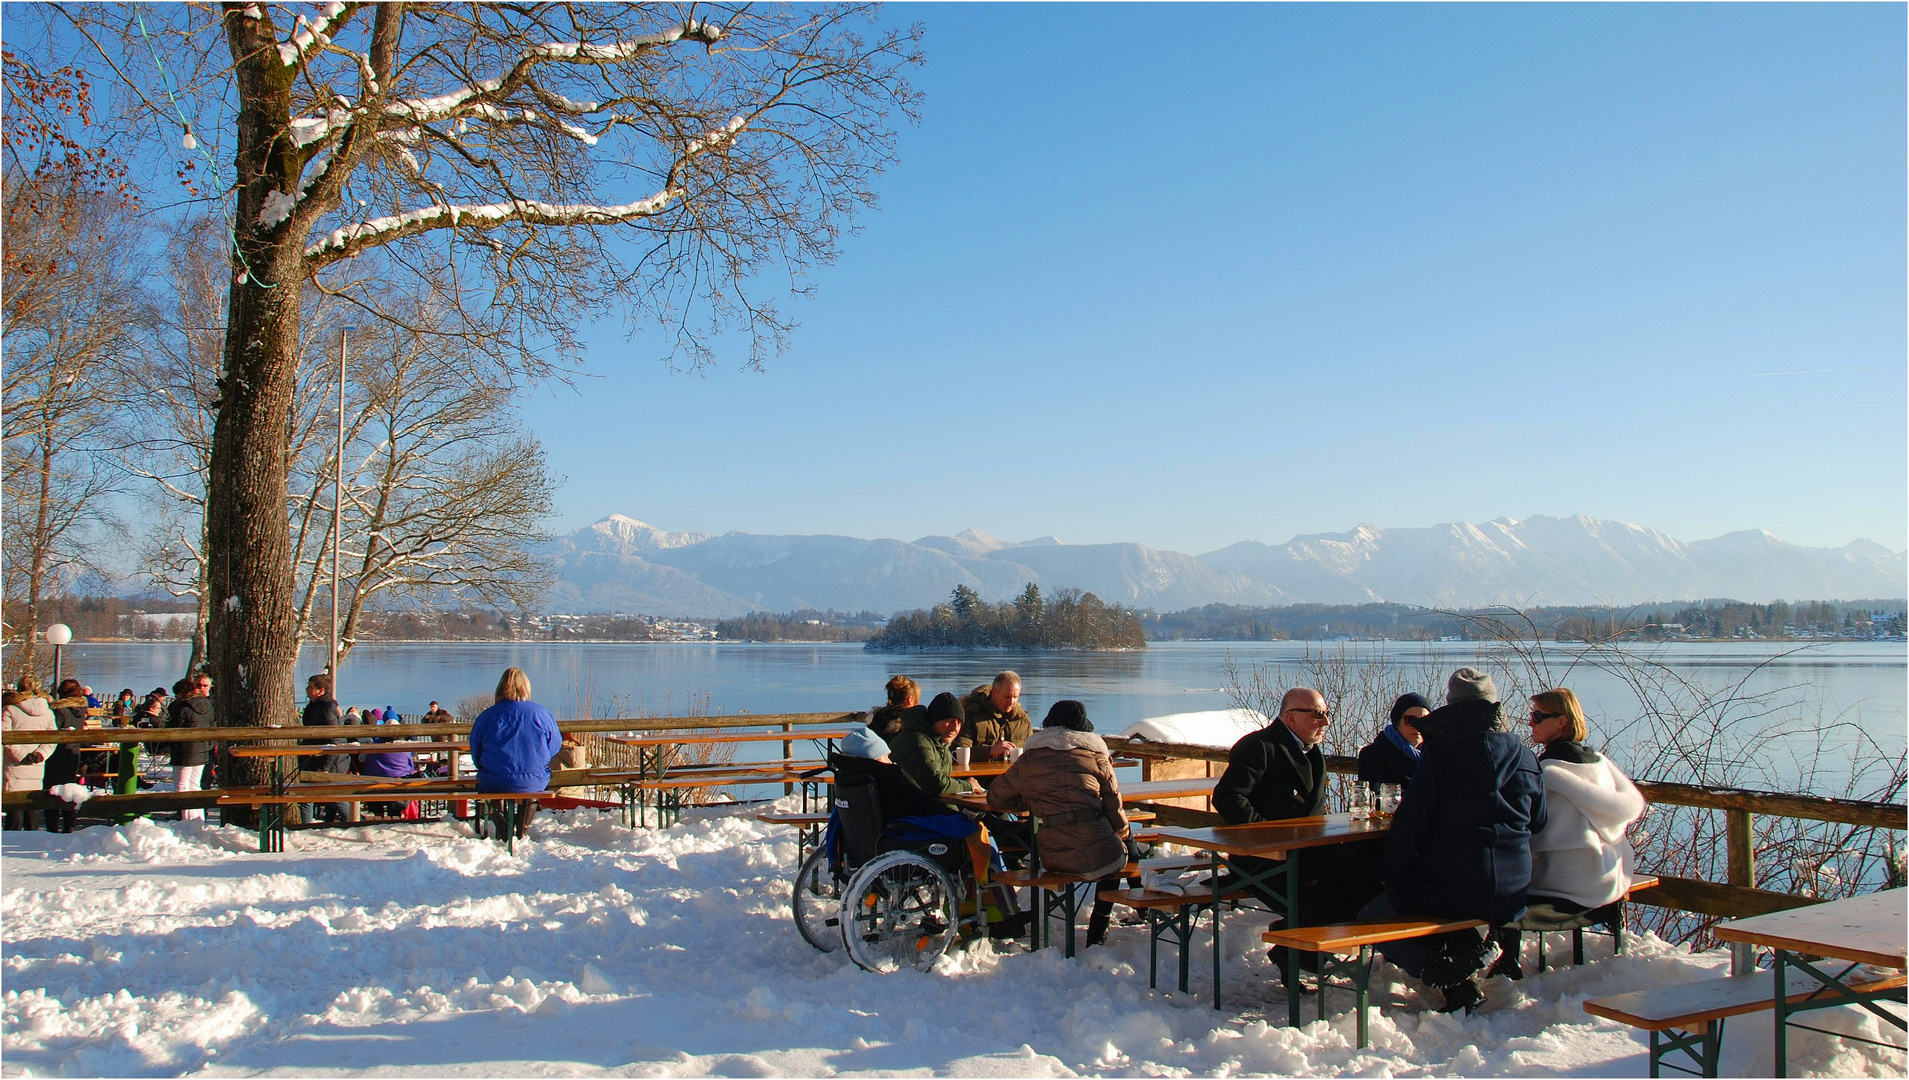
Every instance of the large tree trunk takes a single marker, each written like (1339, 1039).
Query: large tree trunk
(252, 638)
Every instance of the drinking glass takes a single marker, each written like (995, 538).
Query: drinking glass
(1359, 802)
(1389, 798)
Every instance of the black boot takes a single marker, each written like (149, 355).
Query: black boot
(1097, 923)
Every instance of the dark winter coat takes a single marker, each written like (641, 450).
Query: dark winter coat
(982, 727)
(923, 757)
(63, 764)
(1270, 775)
(1066, 779)
(512, 743)
(191, 712)
(886, 721)
(322, 712)
(1460, 844)
(1386, 762)
(900, 797)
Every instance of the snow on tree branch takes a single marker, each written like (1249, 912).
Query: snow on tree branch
(311, 32)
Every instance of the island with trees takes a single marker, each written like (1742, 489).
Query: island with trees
(1071, 619)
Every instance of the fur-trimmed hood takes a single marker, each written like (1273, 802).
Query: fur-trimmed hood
(1059, 738)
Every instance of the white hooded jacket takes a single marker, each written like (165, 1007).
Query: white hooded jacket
(1582, 855)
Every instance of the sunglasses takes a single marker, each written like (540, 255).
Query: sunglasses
(1539, 716)
(1323, 714)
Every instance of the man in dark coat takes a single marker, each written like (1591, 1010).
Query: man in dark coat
(1279, 772)
(321, 710)
(1392, 758)
(1460, 844)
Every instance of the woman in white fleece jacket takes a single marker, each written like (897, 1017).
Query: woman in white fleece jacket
(1582, 855)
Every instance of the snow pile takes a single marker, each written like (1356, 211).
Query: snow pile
(1219, 727)
(175, 947)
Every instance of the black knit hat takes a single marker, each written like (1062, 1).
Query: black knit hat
(945, 706)
(1068, 714)
(1408, 701)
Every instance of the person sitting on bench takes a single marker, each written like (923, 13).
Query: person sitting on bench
(1065, 777)
(512, 743)
(921, 747)
(1392, 758)
(1581, 859)
(904, 699)
(1460, 843)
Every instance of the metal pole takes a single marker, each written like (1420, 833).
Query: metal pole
(338, 506)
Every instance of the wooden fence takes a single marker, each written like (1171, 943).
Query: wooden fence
(1736, 897)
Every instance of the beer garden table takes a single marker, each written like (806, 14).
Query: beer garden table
(1872, 929)
(1280, 841)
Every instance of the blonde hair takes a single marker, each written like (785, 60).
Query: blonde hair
(514, 686)
(1565, 704)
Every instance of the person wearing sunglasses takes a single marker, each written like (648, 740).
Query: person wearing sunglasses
(1581, 860)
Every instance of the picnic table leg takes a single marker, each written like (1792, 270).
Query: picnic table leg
(1782, 1018)
(1218, 865)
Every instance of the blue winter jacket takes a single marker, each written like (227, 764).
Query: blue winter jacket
(512, 743)
(1460, 844)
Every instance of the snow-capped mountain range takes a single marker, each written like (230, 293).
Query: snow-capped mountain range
(621, 564)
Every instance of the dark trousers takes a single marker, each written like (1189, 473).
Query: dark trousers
(331, 763)
(1412, 955)
(20, 820)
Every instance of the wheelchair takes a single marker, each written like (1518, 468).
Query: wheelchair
(890, 898)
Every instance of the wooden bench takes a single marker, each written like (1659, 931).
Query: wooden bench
(808, 830)
(637, 785)
(1689, 1017)
(1171, 915)
(271, 818)
(1357, 941)
(1612, 921)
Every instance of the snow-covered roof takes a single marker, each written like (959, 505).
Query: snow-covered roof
(1219, 727)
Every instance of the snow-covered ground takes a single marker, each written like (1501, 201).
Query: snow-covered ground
(165, 948)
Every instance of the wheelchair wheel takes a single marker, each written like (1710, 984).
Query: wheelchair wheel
(818, 902)
(898, 911)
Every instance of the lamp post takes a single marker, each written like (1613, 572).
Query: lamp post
(338, 505)
(58, 635)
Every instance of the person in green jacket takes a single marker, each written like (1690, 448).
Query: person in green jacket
(922, 746)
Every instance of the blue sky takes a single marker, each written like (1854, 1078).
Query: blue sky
(1189, 275)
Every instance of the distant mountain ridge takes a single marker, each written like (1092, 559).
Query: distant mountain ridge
(622, 564)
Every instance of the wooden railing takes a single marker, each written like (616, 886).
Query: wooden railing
(1735, 898)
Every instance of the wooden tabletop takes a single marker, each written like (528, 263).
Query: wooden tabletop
(1270, 839)
(731, 737)
(978, 800)
(1870, 929)
(980, 768)
(346, 748)
(1187, 787)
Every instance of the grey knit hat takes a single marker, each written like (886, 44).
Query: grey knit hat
(864, 743)
(1468, 683)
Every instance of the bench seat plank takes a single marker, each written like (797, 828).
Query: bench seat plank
(1350, 937)
(1686, 1005)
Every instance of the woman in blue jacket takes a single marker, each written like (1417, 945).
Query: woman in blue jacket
(513, 741)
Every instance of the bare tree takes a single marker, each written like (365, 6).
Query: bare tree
(554, 160)
(443, 489)
(72, 308)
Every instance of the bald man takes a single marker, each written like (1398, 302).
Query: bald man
(1278, 771)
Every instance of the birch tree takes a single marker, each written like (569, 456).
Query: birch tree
(554, 161)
